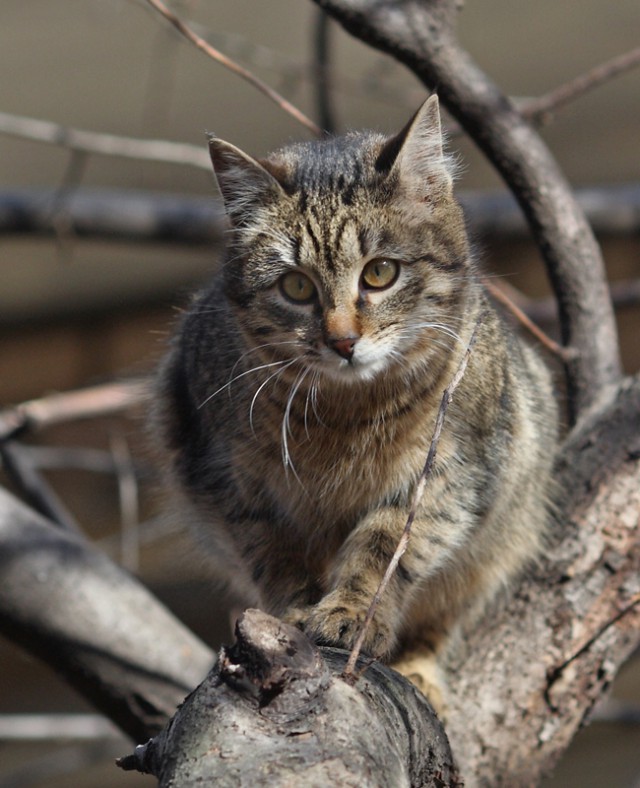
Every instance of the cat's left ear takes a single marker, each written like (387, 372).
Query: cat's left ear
(245, 184)
(416, 155)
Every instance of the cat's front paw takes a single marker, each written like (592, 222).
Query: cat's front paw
(335, 621)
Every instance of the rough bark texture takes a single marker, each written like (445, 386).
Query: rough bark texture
(106, 634)
(530, 675)
(274, 712)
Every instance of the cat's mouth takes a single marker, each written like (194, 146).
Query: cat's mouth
(353, 370)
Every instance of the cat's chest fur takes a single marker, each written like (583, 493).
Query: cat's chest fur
(347, 452)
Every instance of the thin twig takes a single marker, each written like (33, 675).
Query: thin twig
(415, 502)
(71, 405)
(540, 109)
(104, 144)
(216, 55)
(128, 498)
(562, 352)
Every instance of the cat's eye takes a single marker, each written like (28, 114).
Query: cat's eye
(380, 273)
(297, 287)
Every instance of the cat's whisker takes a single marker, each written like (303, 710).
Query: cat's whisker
(315, 390)
(286, 429)
(237, 377)
(286, 366)
(439, 327)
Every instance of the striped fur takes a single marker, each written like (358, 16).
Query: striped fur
(300, 461)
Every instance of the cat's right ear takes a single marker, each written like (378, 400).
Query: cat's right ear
(244, 183)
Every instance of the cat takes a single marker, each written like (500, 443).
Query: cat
(299, 397)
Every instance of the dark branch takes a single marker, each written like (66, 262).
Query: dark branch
(151, 218)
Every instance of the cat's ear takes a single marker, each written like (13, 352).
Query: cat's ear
(416, 155)
(245, 183)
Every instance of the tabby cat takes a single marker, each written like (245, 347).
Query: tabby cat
(301, 391)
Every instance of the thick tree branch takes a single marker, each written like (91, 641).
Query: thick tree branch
(271, 711)
(529, 675)
(67, 604)
(422, 36)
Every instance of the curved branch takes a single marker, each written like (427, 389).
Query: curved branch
(422, 36)
(67, 604)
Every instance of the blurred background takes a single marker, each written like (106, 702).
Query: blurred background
(99, 252)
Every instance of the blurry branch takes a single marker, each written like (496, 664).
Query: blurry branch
(323, 82)
(44, 727)
(149, 217)
(128, 498)
(113, 641)
(26, 477)
(37, 414)
(500, 295)
(540, 109)
(242, 72)
(544, 311)
(104, 144)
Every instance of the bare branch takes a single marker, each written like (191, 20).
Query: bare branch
(67, 604)
(500, 295)
(71, 405)
(32, 485)
(216, 55)
(415, 502)
(322, 72)
(540, 109)
(104, 144)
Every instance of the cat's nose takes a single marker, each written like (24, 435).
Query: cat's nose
(344, 346)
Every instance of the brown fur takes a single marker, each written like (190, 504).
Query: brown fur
(299, 460)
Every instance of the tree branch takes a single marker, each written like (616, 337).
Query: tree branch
(213, 53)
(540, 109)
(274, 706)
(529, 675)
(104, 144)
(104, 400)
(109, 637)
(422, 36)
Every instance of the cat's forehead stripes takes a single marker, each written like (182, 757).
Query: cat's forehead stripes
(328, 241)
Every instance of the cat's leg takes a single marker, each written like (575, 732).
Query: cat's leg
(431, 560)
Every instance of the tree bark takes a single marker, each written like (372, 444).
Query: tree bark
(275, 711)
(70, 606)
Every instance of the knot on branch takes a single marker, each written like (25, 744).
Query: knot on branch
(270, 656)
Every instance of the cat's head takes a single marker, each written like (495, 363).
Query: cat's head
(349, 253)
